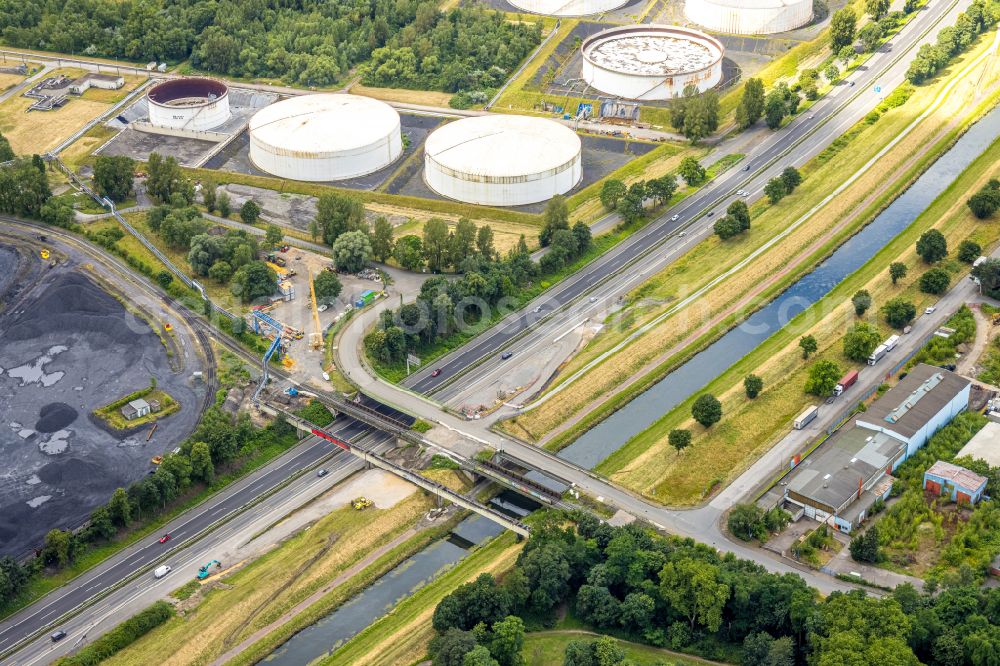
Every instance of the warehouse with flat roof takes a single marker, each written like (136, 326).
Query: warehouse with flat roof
(984, 445)
(852, 469)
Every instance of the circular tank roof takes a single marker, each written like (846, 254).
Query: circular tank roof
(188, 90)
(500, 146)
(753, 4)
(652, 50)
(327, 123)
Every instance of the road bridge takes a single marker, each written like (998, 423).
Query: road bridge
(376, 460)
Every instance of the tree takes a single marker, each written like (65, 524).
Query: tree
(220, 271)
(508, 641)
(935, 281)
(631, 208)
(555, 217)
(581, 232)
(756, 649)
(58, 548)
(691, 171)
(351, 251)
(727, 227)
(864, 547)
(861, 341)
(595, 604)
(739, 211)
(899, 312)
(462, 242)
(661, 189)
(548, 572)
(969, 251)
(775, 109)
(6, 152)
(222, 201)
(272, 235)
(120, 508)
(753, 384)
(250, 212)
(988, 274)
(327, 287)
(165, 180)
(695, 590)
(201, 463)
(381, 239)
(450, 647)
(337, 214)
(781, 652)
(870, 35)
(984, 203)
(706, 410)
(254, 280)
(751, 106)
(113, 176)
(775, 189)
(101, 527)
(484, 242)
(832, 73)
(746, 521)
(861, 300)
(846, 54)
(823, 377)
(409, 252)
(612, 192)
(209, 196)
(932, 246)
(637, 610)
(164, 278)
(700, 113)
(877, 9)
(205, 251)
(680, 439)
(482, 600)
(842, 27)
(479, 656)
(808, 345)
(435, 244)
(897, 271)
(791, 177)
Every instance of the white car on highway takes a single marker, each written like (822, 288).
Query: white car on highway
(161, 571)
(675, 218)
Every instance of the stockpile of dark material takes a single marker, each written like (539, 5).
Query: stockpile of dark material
(55, 416)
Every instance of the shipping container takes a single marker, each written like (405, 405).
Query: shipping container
(803, 419)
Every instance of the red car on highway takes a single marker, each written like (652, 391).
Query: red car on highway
(165, 538)
(436, 372)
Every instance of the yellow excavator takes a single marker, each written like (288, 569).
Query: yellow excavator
(361, 503)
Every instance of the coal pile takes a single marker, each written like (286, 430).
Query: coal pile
(55, 416)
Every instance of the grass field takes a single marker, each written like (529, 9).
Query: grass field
(404, 96)
(505, 234)
(39, 131)
(646, 463)
(651, 354)
(263, 591)
(543, 648)
(402, 636)
(10, 80)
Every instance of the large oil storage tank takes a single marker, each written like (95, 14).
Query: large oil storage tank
(502, 160)
(193, 103)
(749, 17)
(568, 7)
(325, 137)
(651, 62)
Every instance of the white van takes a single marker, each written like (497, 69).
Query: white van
(161, 571)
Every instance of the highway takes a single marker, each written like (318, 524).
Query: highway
(220, 509)
(589, 291)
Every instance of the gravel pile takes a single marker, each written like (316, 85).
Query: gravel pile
(55, 416)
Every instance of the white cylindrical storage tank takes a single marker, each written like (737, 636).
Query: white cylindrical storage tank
(502, 160)
(194, 103)
(568, 7)
(651, 62)
(749, 17)
(325, 137)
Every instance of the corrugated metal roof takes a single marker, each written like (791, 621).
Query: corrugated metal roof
(960, 476)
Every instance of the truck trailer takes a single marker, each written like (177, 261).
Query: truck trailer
(803, 419)
(846, 382)
(877, 355)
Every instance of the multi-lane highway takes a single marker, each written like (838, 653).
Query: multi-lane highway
(589, 291)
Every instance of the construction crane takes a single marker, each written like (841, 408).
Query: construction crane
(317, 337)
(275, 348)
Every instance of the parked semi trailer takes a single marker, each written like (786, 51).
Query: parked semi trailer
(846, 382)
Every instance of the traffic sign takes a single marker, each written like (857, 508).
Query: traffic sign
(878, 89)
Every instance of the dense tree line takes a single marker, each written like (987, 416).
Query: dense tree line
(630, 201)
(676, 593)
(305, 42)
(470, 49)
(952, 40)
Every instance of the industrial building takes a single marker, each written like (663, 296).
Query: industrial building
(136, 409)
(851, 470)
(568, 7)
(194, 104)
(957, 483)
(749, 17)
(651, 62)
(984, 445)
(325, 137)
(502, 160)
(91, 80)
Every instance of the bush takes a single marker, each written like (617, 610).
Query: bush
(121, 636)
(935, 281)
(969, 251)
(706, 410)
(899, 312)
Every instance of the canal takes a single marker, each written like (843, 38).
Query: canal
(613, 432)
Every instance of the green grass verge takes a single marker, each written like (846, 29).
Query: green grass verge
(839, 294)
(543, 648)
(343, 593)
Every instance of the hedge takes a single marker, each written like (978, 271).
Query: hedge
(121, 636)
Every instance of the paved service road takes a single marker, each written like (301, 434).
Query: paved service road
(660, 242)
